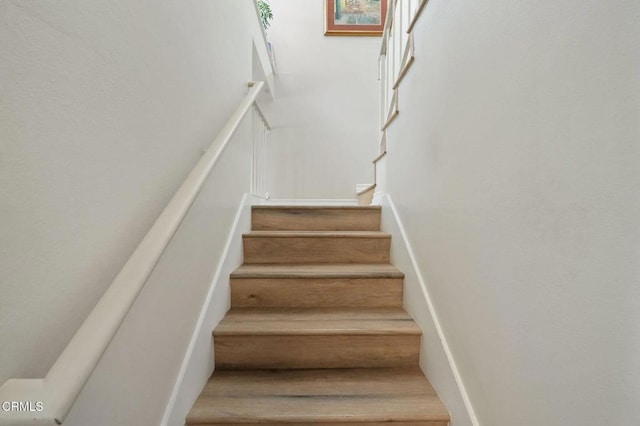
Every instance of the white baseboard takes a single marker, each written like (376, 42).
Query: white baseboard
(436, 358)
(197, 365)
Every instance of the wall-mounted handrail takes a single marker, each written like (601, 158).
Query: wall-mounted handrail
(52, 397)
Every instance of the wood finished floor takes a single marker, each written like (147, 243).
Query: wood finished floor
(316, 334)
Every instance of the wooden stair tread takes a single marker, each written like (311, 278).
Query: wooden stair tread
(318, 396)
(305, 247)
(337, 218)
(316, 285)
(316, 333)
(310, 321)
(338, 270)
(317, 234)
(318, 207)
(367, 189)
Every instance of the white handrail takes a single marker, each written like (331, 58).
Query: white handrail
(51, 398)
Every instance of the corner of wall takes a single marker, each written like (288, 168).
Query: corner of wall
(436, 359)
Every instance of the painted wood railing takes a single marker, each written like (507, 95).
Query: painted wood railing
(396, 54)
(261, 131)
(395, 60)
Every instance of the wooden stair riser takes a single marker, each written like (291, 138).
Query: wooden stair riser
(316, 292)
(263, 422)
(337, 397)
(307, 423)
(377, 382)
(316, 351)
(317, 334)
(316, 249)
(315, 219)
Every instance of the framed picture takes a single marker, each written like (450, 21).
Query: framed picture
(354, 17)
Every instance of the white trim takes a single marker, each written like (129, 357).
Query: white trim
(386, 201)
(235, 235)
(377, 198)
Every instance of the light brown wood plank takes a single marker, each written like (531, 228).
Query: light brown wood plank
(337, 270)
(365, 197)
(318, 314)
(310, 422)
(316, 247)
(316, 292)
(346, 396)
(316, 351)
(317, 328)
(334, 321)
(317, 334)
(309, 218)
(318, 234)
(314, 409)
(363, 381)
(332, 423)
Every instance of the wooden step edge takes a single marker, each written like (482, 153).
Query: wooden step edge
(313, 333)
(317, 276)
(311, 271)
(379, 157)
(302, 420)
(367, 189)
(283, 419)
(316, 234)
(285, 328)
(292, 207)
(324, 313)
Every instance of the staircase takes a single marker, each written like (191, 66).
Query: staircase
(316, 332)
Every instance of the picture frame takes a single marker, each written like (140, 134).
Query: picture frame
(355, 17)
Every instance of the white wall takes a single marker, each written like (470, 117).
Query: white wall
(514, 168)
(435, 354)
(198, 363)
(324, 117)
(104, 108)
(137, 374)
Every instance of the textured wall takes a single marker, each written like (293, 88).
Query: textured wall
(104, 109)
(324, 116)
(514, 167)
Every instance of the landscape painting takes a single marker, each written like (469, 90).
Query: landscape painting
(355, 17)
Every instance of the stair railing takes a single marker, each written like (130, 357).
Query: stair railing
(396, 54)
(49, 399)
(261, 132)
(395, 60)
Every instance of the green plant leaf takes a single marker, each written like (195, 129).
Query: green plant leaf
(266, 14)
